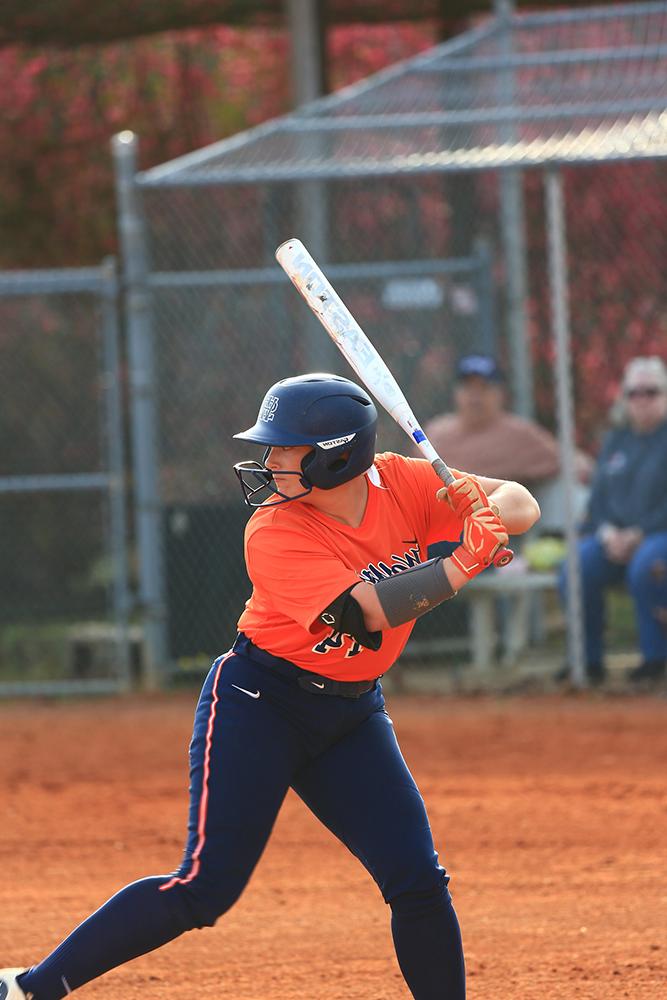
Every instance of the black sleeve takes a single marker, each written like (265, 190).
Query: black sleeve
(344, 614)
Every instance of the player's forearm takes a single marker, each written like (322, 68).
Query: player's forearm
(517, 507)
(405, 597)
(374, 616)
(457, 578)
(403, 601)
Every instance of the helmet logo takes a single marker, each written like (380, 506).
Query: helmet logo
(269, 407)
(336, 442)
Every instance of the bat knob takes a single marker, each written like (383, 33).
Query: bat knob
(503, 557)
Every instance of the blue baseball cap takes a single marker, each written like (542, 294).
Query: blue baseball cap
(479, 365)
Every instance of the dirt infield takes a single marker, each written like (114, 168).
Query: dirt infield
(549, 813)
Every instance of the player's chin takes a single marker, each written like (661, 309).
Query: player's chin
(287, 487)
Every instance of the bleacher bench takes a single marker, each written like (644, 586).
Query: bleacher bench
(482, 593)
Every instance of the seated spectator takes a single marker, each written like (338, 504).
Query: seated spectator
(482, 437)
(625, 535)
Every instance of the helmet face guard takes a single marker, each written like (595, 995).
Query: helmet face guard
(259, 487)
(332, 415)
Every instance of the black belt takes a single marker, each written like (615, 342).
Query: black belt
(316, 684)
(313, 683)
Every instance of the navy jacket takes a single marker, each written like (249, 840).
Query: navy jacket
(630, 483)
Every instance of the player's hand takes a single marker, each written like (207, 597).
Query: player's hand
(464, 495)
(483, 534)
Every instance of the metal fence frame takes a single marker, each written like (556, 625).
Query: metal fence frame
(101, 284)
(508, 157)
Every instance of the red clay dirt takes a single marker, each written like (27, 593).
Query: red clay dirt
(550, 814)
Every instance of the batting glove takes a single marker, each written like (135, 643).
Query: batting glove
(483, 534)
(464, 495)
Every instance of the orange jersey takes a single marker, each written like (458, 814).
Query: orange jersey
(300, 560)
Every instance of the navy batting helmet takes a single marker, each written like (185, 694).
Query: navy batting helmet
(330, 413)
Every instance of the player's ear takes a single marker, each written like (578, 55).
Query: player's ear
(340, 462)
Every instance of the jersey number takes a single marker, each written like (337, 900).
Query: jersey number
(335, 641)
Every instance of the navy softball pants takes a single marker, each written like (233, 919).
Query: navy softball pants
(256, 733)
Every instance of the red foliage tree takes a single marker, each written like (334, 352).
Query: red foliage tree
(177, 91)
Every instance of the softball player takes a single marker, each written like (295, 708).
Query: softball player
(335, 553)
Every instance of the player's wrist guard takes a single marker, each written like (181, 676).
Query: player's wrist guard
(469, 564)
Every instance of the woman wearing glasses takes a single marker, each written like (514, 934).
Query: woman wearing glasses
(626, 529)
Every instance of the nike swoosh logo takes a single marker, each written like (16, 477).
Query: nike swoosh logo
(252, 694)
(317, 685)
(4, 989)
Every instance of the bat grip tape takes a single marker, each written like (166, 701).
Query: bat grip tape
(413, 592)
(443, 471)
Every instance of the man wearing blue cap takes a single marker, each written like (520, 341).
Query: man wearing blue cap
(483, 438)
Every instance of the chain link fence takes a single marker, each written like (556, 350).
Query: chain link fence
(418, 192)
(64, 590)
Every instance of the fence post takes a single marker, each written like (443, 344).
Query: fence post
(143, 408)
(116, 464)
(308, 47)
(485, 294)
(513, 235)
(560, 321)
